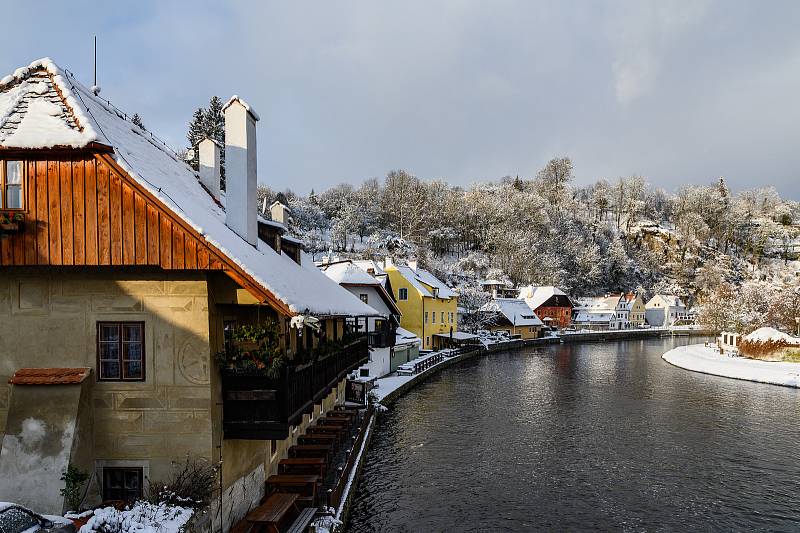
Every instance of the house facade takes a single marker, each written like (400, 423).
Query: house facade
(122, 284)
(428, 306)
(551, 305)
(636, 310)
(512, 316)
(663, 310)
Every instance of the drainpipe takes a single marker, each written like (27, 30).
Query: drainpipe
(423, 322)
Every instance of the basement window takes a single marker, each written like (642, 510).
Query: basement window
(11, 185)
(123, 484)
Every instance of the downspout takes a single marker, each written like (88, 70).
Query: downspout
(422, 318)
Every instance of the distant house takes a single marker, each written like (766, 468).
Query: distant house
(513, 316)
(551, 304)
(636, 310)
(663, 310)
(428, 305)
(499, 289)
(382, 328)
(599, 312)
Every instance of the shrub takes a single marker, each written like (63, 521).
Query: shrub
(74, 480)
(192, 484)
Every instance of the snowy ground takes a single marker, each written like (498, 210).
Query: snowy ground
(699, 358)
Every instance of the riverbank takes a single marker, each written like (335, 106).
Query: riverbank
(707, 360)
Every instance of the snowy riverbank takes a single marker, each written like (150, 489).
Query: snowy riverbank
(707, 360)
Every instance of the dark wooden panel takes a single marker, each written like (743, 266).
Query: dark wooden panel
(177, 248)
(128, 221)
(65, 184)
(90, 179)
(29, 239)
(166, 243)
(78, 218)
(54, 212)
(42, 230)
(103, 215)
(116, 218)
(140, 229)
(153, 236)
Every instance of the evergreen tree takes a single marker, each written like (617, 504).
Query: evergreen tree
(214, 128)
(138, 121)
(196, 134)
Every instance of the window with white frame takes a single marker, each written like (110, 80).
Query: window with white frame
(11, 185)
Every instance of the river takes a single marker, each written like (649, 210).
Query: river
(581, 437)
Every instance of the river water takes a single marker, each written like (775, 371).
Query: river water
(583, 437)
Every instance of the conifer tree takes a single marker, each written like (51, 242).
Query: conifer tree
(138, 121)
(196, 134)
(214, 128)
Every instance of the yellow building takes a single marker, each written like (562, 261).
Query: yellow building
(428, 305)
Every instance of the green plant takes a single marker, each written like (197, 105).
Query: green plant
(265, 357)
(74, 479)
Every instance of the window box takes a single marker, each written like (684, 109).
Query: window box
(11, 223)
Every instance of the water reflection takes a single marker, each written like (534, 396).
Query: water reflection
(583, 437)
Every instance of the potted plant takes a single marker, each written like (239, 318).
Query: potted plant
(11, 222)
(254, 351)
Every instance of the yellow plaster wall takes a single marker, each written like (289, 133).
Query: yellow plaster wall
(48, 319)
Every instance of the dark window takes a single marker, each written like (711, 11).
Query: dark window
(122, 484)
(273, 447)
(11, 185)
(402, 294)
(120, 351)
(364, 298)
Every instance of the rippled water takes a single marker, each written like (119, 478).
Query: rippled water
(583, 437)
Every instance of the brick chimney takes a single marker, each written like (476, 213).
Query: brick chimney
(241, 209)
(209, 155)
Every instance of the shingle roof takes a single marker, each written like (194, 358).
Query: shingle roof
(49, 376)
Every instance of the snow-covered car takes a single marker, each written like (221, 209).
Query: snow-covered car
(18, 519)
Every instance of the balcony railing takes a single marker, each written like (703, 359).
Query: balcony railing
(256, 407)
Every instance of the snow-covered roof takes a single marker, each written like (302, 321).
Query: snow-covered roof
(347, 273)
(236, 98)
(766, 334)
(368, 264)
(425, 282)
(597, 303)
(490, 282)
(70, 115)
(535, 296)
(668, 300)
(403, 336)
(516, 311)
(590, 317)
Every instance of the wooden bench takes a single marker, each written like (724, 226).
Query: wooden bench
(303, 465)
(337, 430)
(273, 511)
(301, 524)
(304, 485)
(311, 450)
(318, 439)
(341, 423)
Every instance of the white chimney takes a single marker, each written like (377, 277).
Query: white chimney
(241, 209)
(412, 264)
(209, 155)
(279, 212)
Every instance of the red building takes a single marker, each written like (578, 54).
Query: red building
(551, 304)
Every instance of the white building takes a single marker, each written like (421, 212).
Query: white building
(663, 310)
(601, 312)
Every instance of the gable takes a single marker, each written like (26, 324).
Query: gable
(82, 210)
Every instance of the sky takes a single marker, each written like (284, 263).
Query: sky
(678, 92)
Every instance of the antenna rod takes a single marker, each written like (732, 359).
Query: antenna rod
(95, 60)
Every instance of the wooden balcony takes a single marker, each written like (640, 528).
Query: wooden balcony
(258, 408)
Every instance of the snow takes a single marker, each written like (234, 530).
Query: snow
(421, 280)
(762, 335)
(142, 517)
(348, 273)
(42, 124)
(404, 336)
(176, 185)
(236, 98)
(516, 311)
(708, 360)
(536, 296)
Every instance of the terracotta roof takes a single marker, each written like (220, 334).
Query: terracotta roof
(49, 376)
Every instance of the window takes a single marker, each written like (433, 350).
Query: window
(273, 448)
(426, 317)
(427, 341)
(442, 317)
(11, 193)
(122, 484)
(402, 294)
(120, 351)
(364, 298)
(433, 317)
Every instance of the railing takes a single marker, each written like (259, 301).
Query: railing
(334, 495)
(256, 407)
